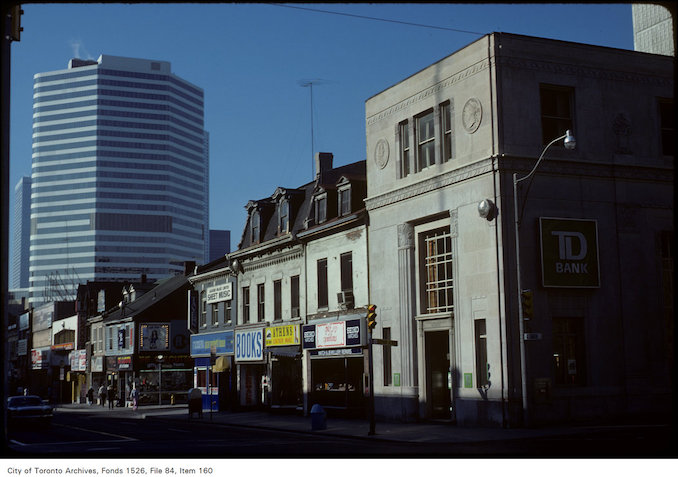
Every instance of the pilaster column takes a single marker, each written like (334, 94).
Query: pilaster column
(407, 303)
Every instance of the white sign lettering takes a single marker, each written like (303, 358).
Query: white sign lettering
(330, 335)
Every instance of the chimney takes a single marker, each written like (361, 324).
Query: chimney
(189, 267)
(143, 278)
(323, 163)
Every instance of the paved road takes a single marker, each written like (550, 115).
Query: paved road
(99, 435)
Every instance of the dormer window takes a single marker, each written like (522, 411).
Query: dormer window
(283, 216)
(320, 208)
(344, 201)
(255, 225)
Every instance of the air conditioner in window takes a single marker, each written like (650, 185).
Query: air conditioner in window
(345, 299)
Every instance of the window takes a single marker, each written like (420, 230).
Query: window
(346, 260)
(344, 202)
(387, 358)
(482, 367)
(320, 209)
(109, 334)
(100, 338)
(215, 313)
(404, 133)
(437, 277)
(446, 123)
(322, 283)
(294, 295)
(260, 302)
(228, 309)
(283, 216)
(245, 304)
(255, 226)
(556, 112)
(569, 353)
(277, 300)
(667, 125)
(203, 308)
(425, 141)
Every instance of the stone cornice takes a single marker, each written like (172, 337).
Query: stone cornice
(472, 70)
(262, 261)
(584, 71)
(430, 184)
(211, 275)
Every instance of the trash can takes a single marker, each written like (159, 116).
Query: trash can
(194, 402)
(318, 418)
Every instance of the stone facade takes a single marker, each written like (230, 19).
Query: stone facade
(451, 136)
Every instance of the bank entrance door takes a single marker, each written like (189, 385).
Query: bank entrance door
(437, 373)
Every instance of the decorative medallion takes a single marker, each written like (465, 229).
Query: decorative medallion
(381, 153)
(471, 115)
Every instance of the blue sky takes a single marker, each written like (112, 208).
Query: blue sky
(251, 60)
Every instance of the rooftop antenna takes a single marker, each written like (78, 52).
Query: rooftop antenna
(308, 83)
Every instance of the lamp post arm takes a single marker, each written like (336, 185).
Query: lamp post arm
(540, 158)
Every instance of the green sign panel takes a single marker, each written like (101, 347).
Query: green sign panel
(569, 253)
(468, 380)
(396, 379)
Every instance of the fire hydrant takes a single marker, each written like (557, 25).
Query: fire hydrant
(172, 399)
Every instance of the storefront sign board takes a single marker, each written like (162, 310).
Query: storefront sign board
(249, 345)
(222, 341)
(283, 335)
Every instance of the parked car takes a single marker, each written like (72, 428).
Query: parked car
(28, 409)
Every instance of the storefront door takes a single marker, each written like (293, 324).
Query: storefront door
(437, 373)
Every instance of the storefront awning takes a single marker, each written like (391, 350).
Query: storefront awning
(221, 364)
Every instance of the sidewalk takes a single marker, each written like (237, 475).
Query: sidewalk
(431, 432)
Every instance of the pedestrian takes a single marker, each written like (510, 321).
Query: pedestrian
(135, 397)
(102, 395)
(90, 395)
(111, 396)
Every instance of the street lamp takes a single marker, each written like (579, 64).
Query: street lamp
(160, 358)
(569, 143)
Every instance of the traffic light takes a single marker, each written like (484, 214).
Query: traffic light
(371, 316)
(528, 307)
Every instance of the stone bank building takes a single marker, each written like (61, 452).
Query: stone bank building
(595, 234)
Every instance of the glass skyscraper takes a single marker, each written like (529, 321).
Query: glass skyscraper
(120, 164)
(21, 234)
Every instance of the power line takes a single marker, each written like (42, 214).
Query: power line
(378, 19)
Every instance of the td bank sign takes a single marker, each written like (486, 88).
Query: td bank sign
(569, 253)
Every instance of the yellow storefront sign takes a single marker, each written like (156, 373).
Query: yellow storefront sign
(283, 335)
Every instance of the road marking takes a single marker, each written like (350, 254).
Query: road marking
(125, 438)
(179, 430)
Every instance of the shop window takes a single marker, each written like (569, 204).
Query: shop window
(388, 371)
(437, 283)
(482, 369)
(667, 124)
(556, 111)
(261, 302)
(425, 141)
(322, 283)
(404, 139)
(294, 295)
(245, 304)
(446, 126)
(569, 352)
(277, 300)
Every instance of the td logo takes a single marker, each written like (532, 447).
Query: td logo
(569, 253)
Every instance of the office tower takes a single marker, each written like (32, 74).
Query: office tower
(21, 234)
(119, 166)
(653, 29)
(219, 243)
